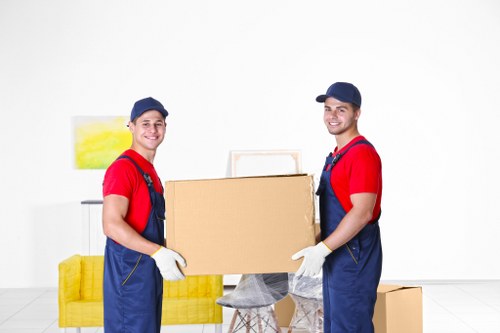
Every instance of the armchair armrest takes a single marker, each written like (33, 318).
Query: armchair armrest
(70, 272)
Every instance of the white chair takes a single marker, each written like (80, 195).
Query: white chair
(307, 293)
(252, 300)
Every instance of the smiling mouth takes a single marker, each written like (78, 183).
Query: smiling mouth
(333, 124)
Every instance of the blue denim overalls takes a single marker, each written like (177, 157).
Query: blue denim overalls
(352, 272)
(133, 285)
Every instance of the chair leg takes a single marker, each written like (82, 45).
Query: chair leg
(248, 321)
(231, 326)
(276, 325)
(218, 328)
(63, 330)
(259, 321)
(78, 330)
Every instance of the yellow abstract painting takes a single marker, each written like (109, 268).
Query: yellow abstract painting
(99, 140)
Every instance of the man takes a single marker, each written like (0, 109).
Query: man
(350, 192)
(133, 220)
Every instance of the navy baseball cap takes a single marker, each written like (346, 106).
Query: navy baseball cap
(147, 104)
(344, 92)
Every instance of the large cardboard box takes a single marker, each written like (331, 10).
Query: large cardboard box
(398, 309)
(240, 225)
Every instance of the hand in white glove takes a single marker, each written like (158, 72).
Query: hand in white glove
(314, 257)
(166, 262)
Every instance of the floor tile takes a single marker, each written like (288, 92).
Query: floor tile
(182, 329)
(10, 309)
(26, 323)
(20, 330)
(488, 293)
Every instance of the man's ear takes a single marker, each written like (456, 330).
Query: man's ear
(357, 114)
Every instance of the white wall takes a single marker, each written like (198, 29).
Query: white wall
(244, 75)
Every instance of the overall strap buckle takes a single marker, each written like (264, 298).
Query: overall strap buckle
(337, 157)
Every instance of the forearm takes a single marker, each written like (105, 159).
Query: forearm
(352, 223)
(124, 234)
(114, 210)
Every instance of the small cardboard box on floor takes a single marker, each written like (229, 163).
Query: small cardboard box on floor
(398, 310)
(240, 225)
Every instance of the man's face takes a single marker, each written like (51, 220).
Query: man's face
(148, 130)
(339, 117)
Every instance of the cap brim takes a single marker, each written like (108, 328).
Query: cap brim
(164, 113)
(321, 98)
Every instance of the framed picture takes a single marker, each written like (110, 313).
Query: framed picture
(98, 141)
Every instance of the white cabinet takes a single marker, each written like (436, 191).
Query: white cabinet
(93, 239)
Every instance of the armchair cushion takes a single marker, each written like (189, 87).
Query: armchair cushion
(192, 300)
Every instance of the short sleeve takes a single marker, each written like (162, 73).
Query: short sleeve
(365, 172)
(119, 179)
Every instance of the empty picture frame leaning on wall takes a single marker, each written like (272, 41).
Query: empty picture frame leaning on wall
(247, 163)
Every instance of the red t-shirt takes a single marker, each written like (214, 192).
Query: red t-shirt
(123, 178)
(358, 171)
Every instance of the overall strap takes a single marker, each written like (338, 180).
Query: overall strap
(337, 157)
(146, 176)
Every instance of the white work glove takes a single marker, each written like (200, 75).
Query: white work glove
(166, 262)
(314, 257)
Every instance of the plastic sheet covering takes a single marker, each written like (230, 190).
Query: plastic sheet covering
(306, 286)
(256, 290)
(307, 293)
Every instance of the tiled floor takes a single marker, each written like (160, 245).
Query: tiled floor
(452, 307)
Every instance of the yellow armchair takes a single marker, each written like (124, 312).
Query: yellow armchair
(189, 301)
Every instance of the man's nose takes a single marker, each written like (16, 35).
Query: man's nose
(334, 113)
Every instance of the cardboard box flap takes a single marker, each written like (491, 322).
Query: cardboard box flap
(387, 288)
(243, 177)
